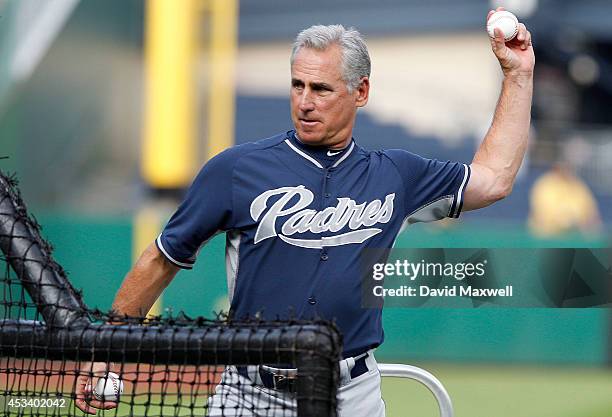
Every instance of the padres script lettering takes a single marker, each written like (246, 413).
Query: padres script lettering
(330, 219)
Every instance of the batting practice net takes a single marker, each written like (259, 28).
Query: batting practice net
(55, 353)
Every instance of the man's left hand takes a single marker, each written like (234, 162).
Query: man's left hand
(516, 57)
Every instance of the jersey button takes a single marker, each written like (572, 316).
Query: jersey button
(327, 195)
(312, 300)
(328, 176)
(325, 257)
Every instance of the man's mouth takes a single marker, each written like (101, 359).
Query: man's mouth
(308, 122)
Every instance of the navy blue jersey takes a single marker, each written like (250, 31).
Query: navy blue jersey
(297, 218)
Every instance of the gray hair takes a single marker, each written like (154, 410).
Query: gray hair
(355, 57)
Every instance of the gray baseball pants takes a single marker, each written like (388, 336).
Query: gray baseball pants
(237, 396)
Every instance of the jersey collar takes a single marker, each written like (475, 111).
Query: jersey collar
(319, 156)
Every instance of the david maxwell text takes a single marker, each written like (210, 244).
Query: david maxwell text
(425, 291)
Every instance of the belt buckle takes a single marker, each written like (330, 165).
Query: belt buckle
(283, 382)
(278, 380)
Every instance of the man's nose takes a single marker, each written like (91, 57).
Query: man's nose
(306, 101)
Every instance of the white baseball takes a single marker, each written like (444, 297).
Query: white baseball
(109, 388)
(506, 21)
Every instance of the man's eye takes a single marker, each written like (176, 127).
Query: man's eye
(322, 89)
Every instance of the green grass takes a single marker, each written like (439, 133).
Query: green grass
(174, 407)
(476, 390)
(506, 391)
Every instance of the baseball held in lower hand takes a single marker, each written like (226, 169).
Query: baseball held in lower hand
(506, 21)
(108, 388)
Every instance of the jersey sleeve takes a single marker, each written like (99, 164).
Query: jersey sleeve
(433, 189)
(205, 211)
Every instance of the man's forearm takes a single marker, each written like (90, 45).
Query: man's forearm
(144, 283)
(504, 146)
(499, 156)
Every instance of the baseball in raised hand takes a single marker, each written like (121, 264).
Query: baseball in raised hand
(515, 56)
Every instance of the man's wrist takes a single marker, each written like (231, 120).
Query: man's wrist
(522, 78)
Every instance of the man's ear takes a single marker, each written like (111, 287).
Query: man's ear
(363, 92)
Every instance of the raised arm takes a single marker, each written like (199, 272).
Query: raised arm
(500, 154)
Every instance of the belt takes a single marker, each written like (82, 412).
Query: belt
(283, 382)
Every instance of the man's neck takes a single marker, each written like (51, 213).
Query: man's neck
(344, 145)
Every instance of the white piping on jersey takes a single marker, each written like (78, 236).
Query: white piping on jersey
(167, 255)
(460, 192)
(304, 154)
(314, 161)
(344, 156)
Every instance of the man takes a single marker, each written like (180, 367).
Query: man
(552, 214)
(300, 207)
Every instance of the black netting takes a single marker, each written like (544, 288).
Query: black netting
(55, 353)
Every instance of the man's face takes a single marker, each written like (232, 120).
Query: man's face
(322, 109)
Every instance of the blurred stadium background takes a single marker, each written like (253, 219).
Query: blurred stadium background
(91, 90)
